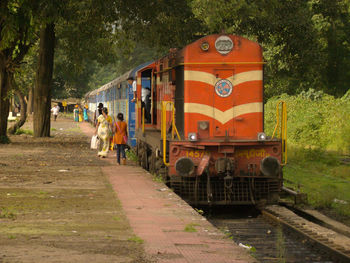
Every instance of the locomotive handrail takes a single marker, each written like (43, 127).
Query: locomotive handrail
(163, 127)
(223, 63)
(143, 119)
(282, 133)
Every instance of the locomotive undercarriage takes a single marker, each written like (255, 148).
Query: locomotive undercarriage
(250, 188)
(217, 190)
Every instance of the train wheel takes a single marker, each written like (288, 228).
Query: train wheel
(139, 153)
(144, 158)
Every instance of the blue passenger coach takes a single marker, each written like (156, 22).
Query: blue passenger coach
(116, 96)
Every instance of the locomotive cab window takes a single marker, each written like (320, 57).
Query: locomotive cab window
(146, 95)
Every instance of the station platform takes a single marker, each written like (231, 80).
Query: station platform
(172, 231)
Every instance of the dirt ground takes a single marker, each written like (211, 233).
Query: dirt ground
(57, 206)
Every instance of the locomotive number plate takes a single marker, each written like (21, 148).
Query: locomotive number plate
(196, 154)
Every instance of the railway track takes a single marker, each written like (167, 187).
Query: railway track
(277, 234)
(336, 244)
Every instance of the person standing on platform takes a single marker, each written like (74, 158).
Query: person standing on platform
(86, 117)
(55, 110)
(76, 113)
(104, 131)
(98, 112)
(80, 114)
(120, 137)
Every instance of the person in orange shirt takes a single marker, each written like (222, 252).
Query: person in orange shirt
(120, 137)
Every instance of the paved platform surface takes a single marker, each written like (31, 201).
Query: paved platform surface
(163, 220)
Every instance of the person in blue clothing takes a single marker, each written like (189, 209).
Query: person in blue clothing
(132, 82)
(86, 117)
(76, 113)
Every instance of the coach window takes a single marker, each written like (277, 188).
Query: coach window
(119, 92)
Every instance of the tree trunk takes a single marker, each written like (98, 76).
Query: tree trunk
(4, 101)
(42, 91)
(22, 120)
(30, 100)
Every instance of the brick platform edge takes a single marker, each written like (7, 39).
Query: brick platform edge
(164, 221)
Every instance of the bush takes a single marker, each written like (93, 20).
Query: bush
(4, 140)
(23, 131)
(315, 120)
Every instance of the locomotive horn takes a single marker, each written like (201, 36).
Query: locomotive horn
(270, 166)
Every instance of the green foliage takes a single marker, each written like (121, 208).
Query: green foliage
(318, 131)
(157, 178)
(136, 239)
(162, 24)
(24, 131)
(116, 218)
(4, 139)
(191, 227)
(7, 213)
(199, 211)
(306, 48)
(322, 176)
(131, 155)
(315, 120)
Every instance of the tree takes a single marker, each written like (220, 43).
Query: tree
(42, 91)
(159, 23)
(16, 37)
(84, 24)
(307, 47)
(331, 21)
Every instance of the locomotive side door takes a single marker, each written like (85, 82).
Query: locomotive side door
(224, 101)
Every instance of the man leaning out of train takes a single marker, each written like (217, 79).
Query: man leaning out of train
(132, 82)
(120, 137)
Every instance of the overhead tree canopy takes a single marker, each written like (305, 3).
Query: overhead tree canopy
(306, 43)
(17, 30)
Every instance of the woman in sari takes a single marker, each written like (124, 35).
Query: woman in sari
(76, 113)
(104, 132)
(86, 117)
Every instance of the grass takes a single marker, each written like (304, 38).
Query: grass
(7, 213)
(131, 155)
(157, 178)
(136, 239)
(24, 131)
(191, 227)
(322, 176)
(116, 218)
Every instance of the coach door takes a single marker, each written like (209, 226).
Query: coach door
(223, 103)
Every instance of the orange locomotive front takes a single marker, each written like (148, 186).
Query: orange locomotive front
(207, 110)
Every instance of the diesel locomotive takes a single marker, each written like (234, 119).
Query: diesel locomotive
(201, 124)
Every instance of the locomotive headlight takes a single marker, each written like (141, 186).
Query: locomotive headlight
(192, 136)
(261, 136)
(205, 46)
